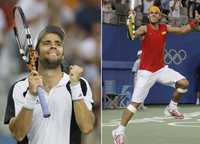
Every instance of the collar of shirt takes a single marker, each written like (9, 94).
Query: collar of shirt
(62, 82)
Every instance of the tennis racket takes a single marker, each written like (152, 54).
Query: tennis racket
(27, 52)
(131, 19)
(132, 16)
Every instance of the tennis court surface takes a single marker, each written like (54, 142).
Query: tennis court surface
(151, 126)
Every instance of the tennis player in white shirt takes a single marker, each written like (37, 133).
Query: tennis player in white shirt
(69, 98)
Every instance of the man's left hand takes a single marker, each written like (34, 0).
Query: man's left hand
(75, 74)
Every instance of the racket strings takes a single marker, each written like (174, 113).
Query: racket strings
(22, 40)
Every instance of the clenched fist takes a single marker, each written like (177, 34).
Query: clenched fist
(34, 80)
(75, 73)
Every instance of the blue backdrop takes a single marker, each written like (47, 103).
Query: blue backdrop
(119, 53)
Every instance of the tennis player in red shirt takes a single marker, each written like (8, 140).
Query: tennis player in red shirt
(152, 68)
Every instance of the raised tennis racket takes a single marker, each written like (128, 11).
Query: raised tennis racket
(27, 52)
(131, 18)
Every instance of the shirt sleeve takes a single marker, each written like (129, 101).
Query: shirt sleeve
(87, 93)
(19, 98)
(10, 108)
(15, 102)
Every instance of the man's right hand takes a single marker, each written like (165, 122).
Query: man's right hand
(132, 13)
(131, 24)
(34, 80)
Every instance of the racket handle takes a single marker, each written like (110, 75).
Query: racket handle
(132, 23)
(43, 102)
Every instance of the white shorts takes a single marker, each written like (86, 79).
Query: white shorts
(146, 79)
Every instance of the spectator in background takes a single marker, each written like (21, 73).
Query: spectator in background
(145, 7)
(106, 5)
(175, 8)
(88, 12)
(9, 54)
(108, 15)
(165, 9)
(121, 7)
(165, 6)
(115, 3)
(197, 10)
(73, 4)
(158, 4)
(184, 3)
(64, 13)
(7, 7)
(138, 9)
(37, 19)
(192, 6)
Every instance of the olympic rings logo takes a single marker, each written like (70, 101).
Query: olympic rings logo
(173, 56)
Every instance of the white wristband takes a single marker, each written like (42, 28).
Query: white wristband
(30, 101)
(88, 104)
(76, 92)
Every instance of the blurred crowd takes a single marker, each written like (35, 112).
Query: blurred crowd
(81, 20)
(174, 12)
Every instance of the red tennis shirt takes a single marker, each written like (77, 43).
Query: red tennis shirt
(153, 44)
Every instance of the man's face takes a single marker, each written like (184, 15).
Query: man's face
(154, 17)
(51, 51)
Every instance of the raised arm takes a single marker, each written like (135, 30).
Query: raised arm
(186, 28)
(81, 102)
(21, 123)
(180, 30)
(132, 33)
(139, 32)
(84, 117)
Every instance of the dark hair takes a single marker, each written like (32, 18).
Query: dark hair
(50, 29)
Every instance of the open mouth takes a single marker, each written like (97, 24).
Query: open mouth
(52, 52)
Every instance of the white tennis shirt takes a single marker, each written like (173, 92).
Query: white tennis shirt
(56, 128)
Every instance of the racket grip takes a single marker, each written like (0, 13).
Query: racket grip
(132, 23)
(43, 102)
